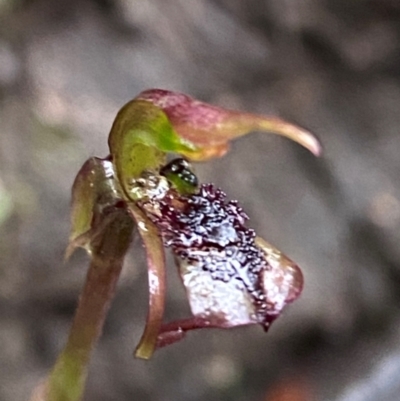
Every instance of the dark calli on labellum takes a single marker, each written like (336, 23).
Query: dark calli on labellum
(231, 277)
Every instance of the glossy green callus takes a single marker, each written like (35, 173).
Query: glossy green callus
(179, 173)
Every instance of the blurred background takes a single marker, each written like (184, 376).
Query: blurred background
(332, 66)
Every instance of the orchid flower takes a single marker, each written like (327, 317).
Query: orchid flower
(232, 277)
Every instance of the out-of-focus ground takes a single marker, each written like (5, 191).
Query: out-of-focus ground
(66, 67)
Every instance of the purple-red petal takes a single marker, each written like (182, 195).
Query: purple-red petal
(156, 276)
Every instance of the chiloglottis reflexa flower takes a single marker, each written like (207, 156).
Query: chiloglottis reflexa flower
(231, 276)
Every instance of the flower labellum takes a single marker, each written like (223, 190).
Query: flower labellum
(231, 276)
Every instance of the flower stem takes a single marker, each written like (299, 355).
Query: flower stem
(69, 373)
(67, 379)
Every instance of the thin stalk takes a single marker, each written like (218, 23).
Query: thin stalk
(69, 374)
(67, 379)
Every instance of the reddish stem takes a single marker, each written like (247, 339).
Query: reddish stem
(67, 380)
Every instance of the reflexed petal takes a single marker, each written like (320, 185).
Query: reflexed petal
(156, 273)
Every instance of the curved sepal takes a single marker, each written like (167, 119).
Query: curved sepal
(209, 128)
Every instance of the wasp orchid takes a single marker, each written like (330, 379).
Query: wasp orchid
(232, 277)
